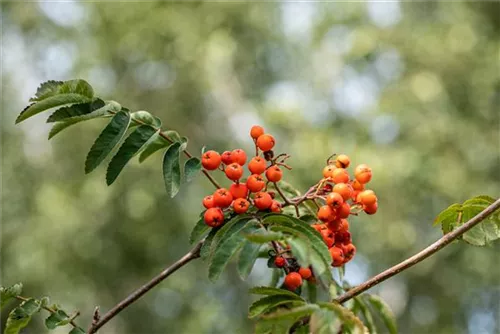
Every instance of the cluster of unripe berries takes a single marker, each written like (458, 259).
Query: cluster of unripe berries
(343, 196)
(243, 195)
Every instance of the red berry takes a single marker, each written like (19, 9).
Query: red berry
(234, 171)
(239, 156)
(222, 198)
(276, 207)
(210, 160)
(265, 142)
(371, 209)
(257, 165)
(255, 183)
(349, 251)
(334, 225)
(214, 217)
(241, 205)
(274, 173)
(293, 281)
(263, 200)
(256, 131)
(238, 190)
(305, 273)
(279, 261)
(337, 256)
(226, 158)
(208, 202)
(328, 237)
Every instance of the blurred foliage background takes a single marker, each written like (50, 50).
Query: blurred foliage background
(411, 89)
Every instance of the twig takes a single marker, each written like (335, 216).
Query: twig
(191, 255)
(420, 256)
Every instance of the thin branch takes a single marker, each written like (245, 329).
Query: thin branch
(191, 255)
(420, 256)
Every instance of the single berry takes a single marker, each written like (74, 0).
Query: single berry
(257, 165)
(334, 200)
(214, 217)
(255, 183)
(367, 197)
(328, 171)
(256, 131)
(371, 209)
(238, 190)
(356, 185)
(211, 160)
(239, 156)
(276, 207)
(305, 273)
(226, 157)
(344, 211)
(344, 189)
(263, 200)
(343, 237)
(344, 225)
(241, 205)
(326, 213)
(265, 142)
(279, 261)
(234, 171)
(349, 251)
(363, 173)
(208, 201)
(340, 175)
(274, 173)
(222, 198)
(337, 256)
(293, 281)
(328, 237)
(342, 161)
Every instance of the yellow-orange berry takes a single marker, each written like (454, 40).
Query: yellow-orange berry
(326, 213)
(340, 175)
(363, 173)
(265, 142)
(367, 197)
(256, 131)
(342, 161)
(344, 190)
(334, 199)
(344, 211)
(371, 209)
(328, 171)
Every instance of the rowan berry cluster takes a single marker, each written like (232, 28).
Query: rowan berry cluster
(243, 194)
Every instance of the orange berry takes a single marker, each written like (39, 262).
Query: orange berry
(210, 160)
(326, 213)
(356, 185)
(222, 198)
(305, 273)
(208, 202)
(226, 157)
(363, 173)
(349, 251)
(340, 175)
(318, 227)
(292, 281)
(328, 171)
(342, 161)
(344, 211)
(344, 190)
(335, 200)
(255, 183)
(334, 225)
(276, 207)
(256, 131)
(274, 173)
(337, 256)
(344, 225)
(265, 142)
(214, 217)
(257, 165)
(367, 197)
(279, 261)
(234, 171)
(371, 209)
(239, 156)
(263, 200)
(241, 205)
(238, 190)
(328, 237)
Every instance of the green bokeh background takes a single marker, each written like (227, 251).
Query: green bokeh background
(412, 89)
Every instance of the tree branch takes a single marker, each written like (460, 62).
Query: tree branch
(191, 255)
(420, 256)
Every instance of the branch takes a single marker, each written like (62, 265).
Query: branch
(420, 256)
(191, 255)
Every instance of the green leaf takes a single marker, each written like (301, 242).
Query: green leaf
(172, 169)
(480, 200)
(10, 293)
(263, 237)
(173, 135)
(157, 143)
(106, 111)
(309, 218)
(70, 92)
(348, 318)
(484, 232)
(324, 322)
(448, 218)
(76, 110)
(248, 255)
(229, 228)
(134, 143)
(21, 316)
(384, 311)
(268, 303)
(199, 229)
(107, 140)
(192, 167)
(312, 291)
(205, 250)
(367, 314)
(60, 318)
(77, 330)
(275, 277)
(46, 89)
(144, 117)
(270, 291)
(291, 316)
(301, 251)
